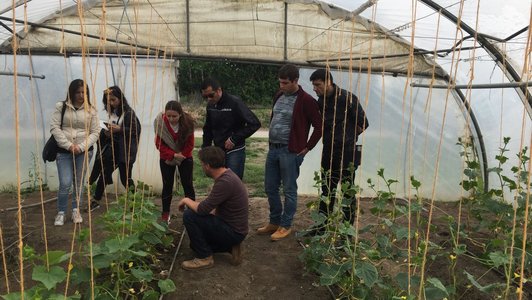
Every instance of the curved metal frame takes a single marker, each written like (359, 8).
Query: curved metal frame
(507, 68)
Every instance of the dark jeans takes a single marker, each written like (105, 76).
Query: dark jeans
(209, 234)
(236, 161)
(337, 165)
(168, 173)
(125, 178)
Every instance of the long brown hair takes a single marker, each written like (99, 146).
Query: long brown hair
(74, 86)
(186, 122)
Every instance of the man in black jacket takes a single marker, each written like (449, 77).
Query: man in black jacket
(343, 120)
(227, 124)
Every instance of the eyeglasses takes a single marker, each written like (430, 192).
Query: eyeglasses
(209, 96)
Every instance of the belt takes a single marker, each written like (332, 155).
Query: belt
(277, 145)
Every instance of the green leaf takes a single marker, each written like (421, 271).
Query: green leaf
(117, 244)
(485, 289)
(460, 249)
(498, 258)
(473, 164)
(150, 295)
(142, 274)
(139, 253)
(80, 275)
(49, 278)
(12, 296)
(470, 173)
(402, 281)
(55, 257)
(437, 284)
(102, 261)
(401, 233)
(415, 183)
(158, 226)
(166, 286)
(501, 158)
(367, 273)
(332, 273)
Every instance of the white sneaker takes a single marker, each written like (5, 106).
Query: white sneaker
(76, 216)
(60, 219)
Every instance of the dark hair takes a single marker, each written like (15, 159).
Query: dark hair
(186, 122)
(322, 74)
(213, 156)
(290, 72)
(74, 86)
(117, 92)
(210, 82)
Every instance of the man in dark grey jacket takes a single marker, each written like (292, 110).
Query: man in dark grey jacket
(344, 120)
(228, 123)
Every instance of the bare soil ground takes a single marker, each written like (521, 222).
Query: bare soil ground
(270, 270)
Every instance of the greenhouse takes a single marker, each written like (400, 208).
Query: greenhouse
(443, 183)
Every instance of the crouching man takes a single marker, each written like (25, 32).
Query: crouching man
(220, 222)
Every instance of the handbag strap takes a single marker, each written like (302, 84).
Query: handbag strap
(63, 113)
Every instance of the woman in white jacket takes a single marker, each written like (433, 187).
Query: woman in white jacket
(80, 130)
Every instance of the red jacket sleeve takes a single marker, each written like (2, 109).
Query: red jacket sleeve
(166, 152)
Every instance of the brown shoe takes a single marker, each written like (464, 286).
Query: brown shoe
(236, 252)
(281, 233)
(198, 263)
(267, 229)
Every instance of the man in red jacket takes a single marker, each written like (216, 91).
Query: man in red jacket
(294, 111)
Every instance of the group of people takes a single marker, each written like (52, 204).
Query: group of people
(219, 223)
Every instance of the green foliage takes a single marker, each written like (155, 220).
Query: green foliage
(254, 83)
(356, 260)
(121, 263)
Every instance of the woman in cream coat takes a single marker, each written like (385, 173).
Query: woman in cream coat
(75, 139)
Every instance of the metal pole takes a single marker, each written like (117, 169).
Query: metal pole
(285, 31)
(22, 75)
(362, 8)
(188, 25)
(475, 86)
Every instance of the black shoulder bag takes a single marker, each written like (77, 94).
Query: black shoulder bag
(49, 153)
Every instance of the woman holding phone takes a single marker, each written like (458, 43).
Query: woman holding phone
(124, 134)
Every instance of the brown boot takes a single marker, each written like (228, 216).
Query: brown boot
(236, 253)
(281, 233)
(198, 263)
(267, 229)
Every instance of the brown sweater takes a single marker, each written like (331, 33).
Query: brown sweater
(230, 198)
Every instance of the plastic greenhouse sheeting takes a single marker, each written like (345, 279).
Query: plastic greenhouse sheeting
(381, 50)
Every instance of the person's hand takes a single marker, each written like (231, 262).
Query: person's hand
(179, 156)
(229, 144)
(113, 128)
(75, 149)
(181, 205)
(303, 152)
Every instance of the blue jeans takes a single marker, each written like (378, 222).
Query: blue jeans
(236, 161)
(70, 171)
(282, 166)
(209, 234)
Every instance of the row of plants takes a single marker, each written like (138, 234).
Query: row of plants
(118, 267)
(397, 253)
